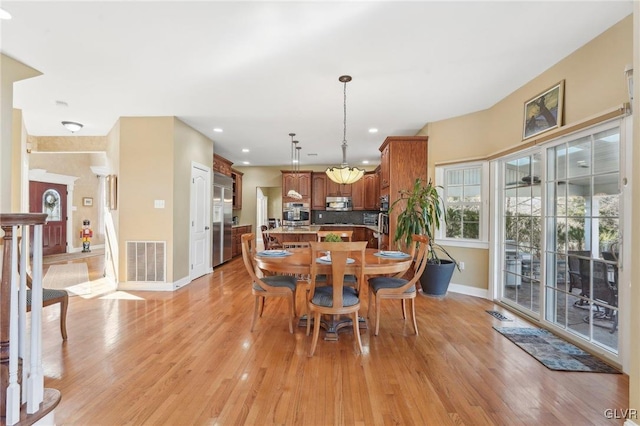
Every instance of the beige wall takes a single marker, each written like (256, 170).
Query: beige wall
(68, 143)
(189, 146)
(87, 185)
(594, 83)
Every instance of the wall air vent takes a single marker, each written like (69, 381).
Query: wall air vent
(146, 261)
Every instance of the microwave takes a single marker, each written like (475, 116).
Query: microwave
(338, 204)
(384, 203)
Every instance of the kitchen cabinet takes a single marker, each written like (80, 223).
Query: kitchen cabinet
(236, 238)
(318, 194)
(357, 194)
(337, 190)
(371, 238)
(403, 160)
(370, 182)
(384, 166)
(299, 181)
(237, 189)
(221, 165)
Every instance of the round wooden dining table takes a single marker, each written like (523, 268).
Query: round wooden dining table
(299, 263)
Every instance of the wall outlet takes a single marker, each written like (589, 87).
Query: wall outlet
(461, 266)
(319, 215)
(158, 204)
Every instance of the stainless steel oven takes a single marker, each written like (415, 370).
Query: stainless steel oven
(383, 223)
(338, 204)
(296, 214)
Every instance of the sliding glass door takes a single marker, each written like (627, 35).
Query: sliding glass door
(560, 234)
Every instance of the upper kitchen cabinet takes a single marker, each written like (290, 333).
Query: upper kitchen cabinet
(298, 181)
(371, 191)
(357, 194)
(237, 189)
(221, 165)
(333, 189)
(318, 194)
(403, 160)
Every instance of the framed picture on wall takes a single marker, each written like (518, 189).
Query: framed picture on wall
(87, 201)
(544, 112)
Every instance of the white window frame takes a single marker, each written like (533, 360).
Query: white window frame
(483, 240)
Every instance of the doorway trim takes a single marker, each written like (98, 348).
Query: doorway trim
(193, 203)
(41, 175)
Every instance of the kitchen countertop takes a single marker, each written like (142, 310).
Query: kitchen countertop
(238, 226)
(312, 229)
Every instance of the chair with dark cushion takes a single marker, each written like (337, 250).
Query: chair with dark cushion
(51, 297)
(335, 299)
(269, 241)
(267, 286)
(396, 287)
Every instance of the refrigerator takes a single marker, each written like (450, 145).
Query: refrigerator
(222, 218)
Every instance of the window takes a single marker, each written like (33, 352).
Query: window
(464, 194)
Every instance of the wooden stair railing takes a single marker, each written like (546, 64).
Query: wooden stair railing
(23, 398)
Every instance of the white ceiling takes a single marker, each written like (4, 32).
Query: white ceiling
(260, 70)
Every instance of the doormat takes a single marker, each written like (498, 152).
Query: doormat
(554, 352)
(498, 315)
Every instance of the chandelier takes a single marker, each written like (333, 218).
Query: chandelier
(295, 167)
(344, 174)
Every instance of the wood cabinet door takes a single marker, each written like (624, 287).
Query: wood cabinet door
(384, 167)
(371, 192)
(357, 195)
(304, 181)
(318, 197)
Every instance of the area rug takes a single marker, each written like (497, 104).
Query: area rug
(554, 352)
(73, 277)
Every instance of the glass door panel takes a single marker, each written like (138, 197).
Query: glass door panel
(582, 220)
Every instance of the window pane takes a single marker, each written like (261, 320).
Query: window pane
(579, 162)
(471, 224)
(606, 151)
(454, 222)
(454, 194)
(455, 177)
(561, 161)
(472, 176)
(472, 194)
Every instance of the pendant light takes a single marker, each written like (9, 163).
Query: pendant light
(295, 161)
(344, 174)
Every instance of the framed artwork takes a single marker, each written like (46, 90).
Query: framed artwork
(544, 112)
(112, 192)
(87, 201)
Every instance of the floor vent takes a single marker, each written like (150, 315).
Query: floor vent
(146, 261)
(499, 316)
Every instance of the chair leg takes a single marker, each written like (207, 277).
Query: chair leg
(377, 315)
(316, 332)
(369, 303)
(356, 331)
(256, 309)
(404, 310)
(292, 314)
(413, 315)
(64, 304)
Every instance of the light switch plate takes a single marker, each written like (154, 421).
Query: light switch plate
(158, 204)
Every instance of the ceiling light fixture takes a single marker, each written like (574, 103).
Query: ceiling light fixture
(72, 126)
(373, 130)
(344, 174)
(217, 130)
(295, 165)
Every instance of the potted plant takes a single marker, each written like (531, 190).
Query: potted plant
(332, 238)
(422, 213)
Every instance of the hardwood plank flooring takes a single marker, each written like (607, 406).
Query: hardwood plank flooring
(188, 357)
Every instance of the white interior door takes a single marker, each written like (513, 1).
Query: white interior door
(200, 258)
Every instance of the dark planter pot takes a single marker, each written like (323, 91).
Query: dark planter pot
(436, 278)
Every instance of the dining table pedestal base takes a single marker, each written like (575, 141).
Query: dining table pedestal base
(332, 324)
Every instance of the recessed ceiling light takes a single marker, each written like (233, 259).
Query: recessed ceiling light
(365, 161)
(72, 126)
(245, 149)
(4, 14)
(217, 130)
(245, 162)
(373, 130)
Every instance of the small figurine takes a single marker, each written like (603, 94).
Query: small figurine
(86, 235)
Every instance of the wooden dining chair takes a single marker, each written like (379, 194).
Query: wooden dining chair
(334, 299)
(50, 297)
(346, 235)
(396, 287)
(267, 286)
(270, 242)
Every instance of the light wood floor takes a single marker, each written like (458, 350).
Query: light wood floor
(188, 358)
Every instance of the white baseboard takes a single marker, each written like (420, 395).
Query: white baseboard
(145, 286)
(469, 291)
(629, 422)
(79, 249)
